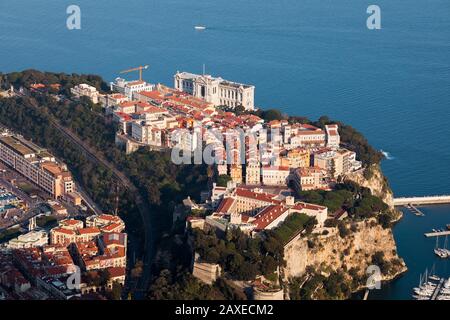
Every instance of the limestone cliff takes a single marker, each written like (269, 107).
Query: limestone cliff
(374, 179)
(332, 252)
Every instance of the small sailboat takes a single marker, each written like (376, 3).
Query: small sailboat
(441, 253)
(424, 290)
(445, 249)
(432, 275)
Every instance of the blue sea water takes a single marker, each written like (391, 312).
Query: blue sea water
(305, 57)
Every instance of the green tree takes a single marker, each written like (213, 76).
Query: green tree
(222, 180)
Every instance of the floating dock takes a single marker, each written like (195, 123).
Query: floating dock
(366, 294)
(415, 210)
(437, 234)
(437, 290)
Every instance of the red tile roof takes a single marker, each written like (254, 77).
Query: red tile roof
(269, 215)
(267, 197)
(115, 272)
(62, 230)
(155, 94)
(90, 230)
(225, 205)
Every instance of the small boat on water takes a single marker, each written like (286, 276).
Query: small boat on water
(432, 275)
(199, 27)
(448, 226)
(425, 289)
(447, 283)
(441, 253)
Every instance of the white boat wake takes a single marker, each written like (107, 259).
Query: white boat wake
(387, 155)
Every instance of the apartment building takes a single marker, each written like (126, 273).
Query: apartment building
(275, 176)
(63, 236)
(253, 173)
(130, 88)
(85, 90)
(147, 134)
(106, 222)
(336, 162)
(310, 178)
(110, 100)
(108, 251)
(236, 173)
(305, 135)
(296, 158)
(333, 137)
(36, 164)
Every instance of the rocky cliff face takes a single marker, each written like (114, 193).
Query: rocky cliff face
(356, 250)
(374, 179)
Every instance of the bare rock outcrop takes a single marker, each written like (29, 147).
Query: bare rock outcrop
(374, 179)
(332, 252)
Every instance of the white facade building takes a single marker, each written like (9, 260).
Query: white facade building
(130, 88)
(110, 100)
(216, 90)
(148, 134)
(31, 239)
(85, 90)
(275, 176)
(333, 137)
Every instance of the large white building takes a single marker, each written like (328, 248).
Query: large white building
(217, 91)
(146, 133)
(86, 91)
(333, 137)
(305, 135)
(130, 88)
(336, 162)
(275, 176)
(31, 239)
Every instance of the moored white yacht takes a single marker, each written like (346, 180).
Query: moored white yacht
(441, 253)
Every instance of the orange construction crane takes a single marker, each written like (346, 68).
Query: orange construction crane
(140, 68)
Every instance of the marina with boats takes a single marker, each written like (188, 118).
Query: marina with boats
(432, 287)
(442, 252)
(418, 253)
